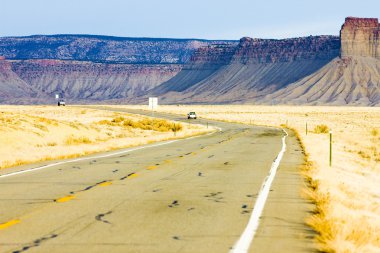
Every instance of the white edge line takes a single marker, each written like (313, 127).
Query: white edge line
(100, 156)
(245, 240)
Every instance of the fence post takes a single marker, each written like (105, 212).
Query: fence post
(330, 148)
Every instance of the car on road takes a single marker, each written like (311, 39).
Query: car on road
(61, 102)
(191, 115)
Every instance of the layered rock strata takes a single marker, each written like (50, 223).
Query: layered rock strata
(360, 37)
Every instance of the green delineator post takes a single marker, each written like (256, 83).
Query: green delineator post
(207, 124)
(330, 148)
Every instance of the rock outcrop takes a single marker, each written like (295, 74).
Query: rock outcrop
(13, 88)
(312, 70)
(104, 49)
(205, 62)
(87, 68)
(248, 71)
(257, 51)
(360, 37)
(88, 81)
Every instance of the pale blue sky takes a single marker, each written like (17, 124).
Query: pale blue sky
(206, 19)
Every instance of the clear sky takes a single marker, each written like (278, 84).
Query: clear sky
(205, 19)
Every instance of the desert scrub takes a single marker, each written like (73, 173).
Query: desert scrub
(321, 129)
(159, 125)
(72, 140)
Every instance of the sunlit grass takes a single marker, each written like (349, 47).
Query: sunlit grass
(41, 133)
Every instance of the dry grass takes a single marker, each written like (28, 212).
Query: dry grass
(321, 129)
(38, 133)
(347, 195)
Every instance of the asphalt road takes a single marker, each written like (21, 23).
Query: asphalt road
(192, 195)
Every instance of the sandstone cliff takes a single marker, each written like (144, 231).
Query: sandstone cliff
(248, 71)
(312, 70)
(351, 79)
(360, 37)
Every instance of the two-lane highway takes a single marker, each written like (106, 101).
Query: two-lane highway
(191, 195)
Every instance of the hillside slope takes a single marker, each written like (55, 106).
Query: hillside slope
(248, 72)
(13, 88)
(353, 81)
(88, 81)
(87, 68)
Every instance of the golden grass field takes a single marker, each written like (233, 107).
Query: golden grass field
(347, 194)
(38, 133)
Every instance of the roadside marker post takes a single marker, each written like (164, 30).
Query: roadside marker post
(330, 147)
(306, 128)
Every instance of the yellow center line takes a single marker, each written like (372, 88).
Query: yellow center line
(132, 175)
(105, 183)
(9, 224)
(152, 167)
(65, 199)
(168, 161)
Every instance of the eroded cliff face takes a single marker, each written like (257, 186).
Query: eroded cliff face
(78, 81)
(253, 51)
(104, 49)
(360, 37)
(247, 71)
(85, 68)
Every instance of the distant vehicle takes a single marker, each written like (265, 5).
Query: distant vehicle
(191, 115)
(61, 102)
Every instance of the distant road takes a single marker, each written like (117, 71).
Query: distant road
(191, 195)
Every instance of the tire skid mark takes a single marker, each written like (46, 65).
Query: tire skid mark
(100, 217)
(72, 194)
(36, 243)
(130, 175)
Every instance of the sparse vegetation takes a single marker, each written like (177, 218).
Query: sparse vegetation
(46, 132)
(71, 140)
(321, 129)
(159, 125)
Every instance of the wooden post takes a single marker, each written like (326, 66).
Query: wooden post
(330, 148)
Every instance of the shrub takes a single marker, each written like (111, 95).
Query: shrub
(159, 125)
(321, 129)
(71, 140)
